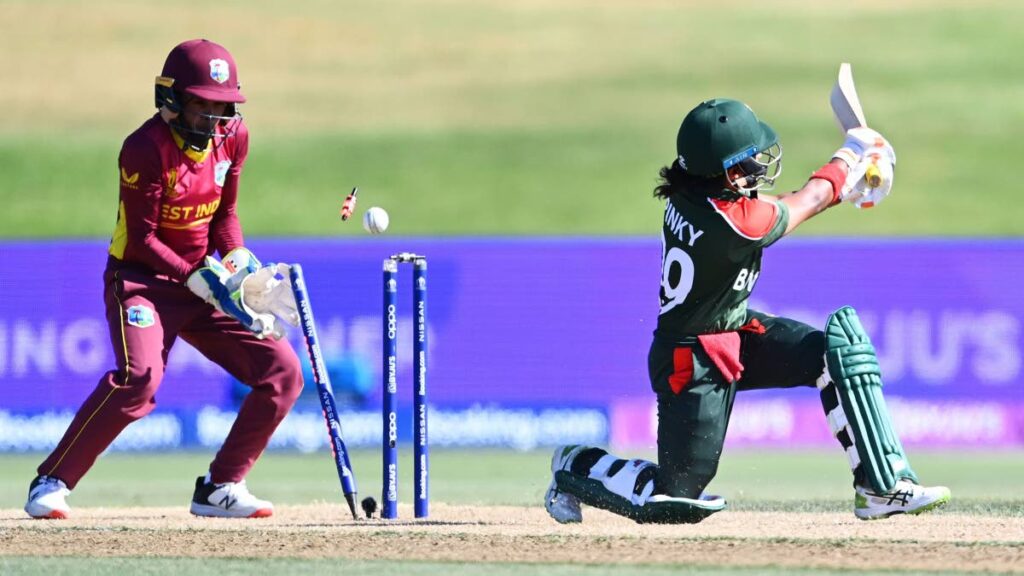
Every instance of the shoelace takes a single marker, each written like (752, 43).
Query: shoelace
(903, 496)
(49, 484)
(237, 491)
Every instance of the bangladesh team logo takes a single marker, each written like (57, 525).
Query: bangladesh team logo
(219, 70)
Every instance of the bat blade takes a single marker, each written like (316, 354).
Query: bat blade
(845, 102)
(849, 113)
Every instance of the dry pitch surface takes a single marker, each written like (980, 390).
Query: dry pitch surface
(963, 543)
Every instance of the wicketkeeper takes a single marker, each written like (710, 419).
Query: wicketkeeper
(179, 175)
(709, 345)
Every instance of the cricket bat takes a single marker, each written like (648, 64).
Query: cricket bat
(849, 114)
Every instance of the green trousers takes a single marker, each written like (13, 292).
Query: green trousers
(692, 423)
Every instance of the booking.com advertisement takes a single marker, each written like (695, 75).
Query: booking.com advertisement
(536, 342)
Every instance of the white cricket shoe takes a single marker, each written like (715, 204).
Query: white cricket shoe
(905, 498)
(227, 500)
(564, 508)
(46, 498)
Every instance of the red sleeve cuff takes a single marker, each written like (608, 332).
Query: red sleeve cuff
(834, 175)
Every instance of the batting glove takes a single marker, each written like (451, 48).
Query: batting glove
(858, 189)
(858, 141)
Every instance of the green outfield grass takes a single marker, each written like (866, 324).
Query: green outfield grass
(987, 483)
(513, 118)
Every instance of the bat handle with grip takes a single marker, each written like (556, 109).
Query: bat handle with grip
(873, 175)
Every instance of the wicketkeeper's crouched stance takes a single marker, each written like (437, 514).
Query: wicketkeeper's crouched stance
(708, 345)
(179, 176)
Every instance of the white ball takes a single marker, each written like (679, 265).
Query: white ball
(375, 221)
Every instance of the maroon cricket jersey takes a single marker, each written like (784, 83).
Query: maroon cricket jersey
(176, 206)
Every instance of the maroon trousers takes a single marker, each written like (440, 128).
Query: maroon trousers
(146, 315)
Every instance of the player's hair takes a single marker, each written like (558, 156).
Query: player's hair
(675, 180)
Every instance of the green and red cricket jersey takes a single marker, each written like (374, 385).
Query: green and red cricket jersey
(711, 259)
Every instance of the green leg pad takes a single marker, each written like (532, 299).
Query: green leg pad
(853, 367)
(658, 510)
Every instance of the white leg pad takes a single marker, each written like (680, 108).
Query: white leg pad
(623, 480)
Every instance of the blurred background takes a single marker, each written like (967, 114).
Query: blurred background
(516, 144)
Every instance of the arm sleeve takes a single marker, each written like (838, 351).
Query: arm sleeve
(141, 194)
(757, 223)
(778, 229)
(226, 229)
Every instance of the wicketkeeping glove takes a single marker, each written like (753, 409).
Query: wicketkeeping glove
(269, 291)
(211, 284)
(240, 263)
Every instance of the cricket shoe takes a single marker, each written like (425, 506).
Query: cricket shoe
(46, 498)
(227, 500)
(905, 498)
(563, 507)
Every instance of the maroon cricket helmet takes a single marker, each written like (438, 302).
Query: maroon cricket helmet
(203, 69)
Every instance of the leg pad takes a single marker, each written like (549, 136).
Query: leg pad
(626, 488)
(852, 367)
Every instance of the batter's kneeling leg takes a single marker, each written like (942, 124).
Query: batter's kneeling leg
(626, 487)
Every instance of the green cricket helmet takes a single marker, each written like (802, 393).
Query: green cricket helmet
(721, 133)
